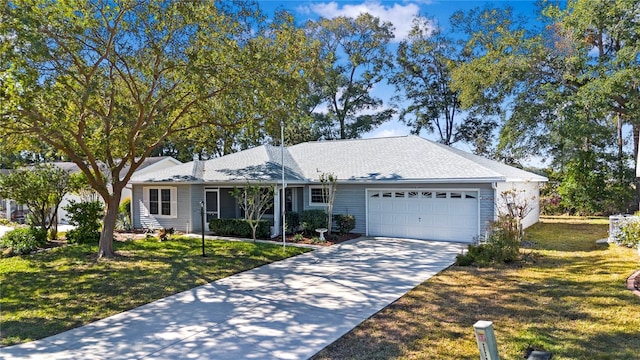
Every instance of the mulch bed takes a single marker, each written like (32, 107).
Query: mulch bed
(332, 239)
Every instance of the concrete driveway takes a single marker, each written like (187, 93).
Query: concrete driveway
(290, 309)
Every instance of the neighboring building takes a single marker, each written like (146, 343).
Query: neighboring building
(396, 187)
(10, 209)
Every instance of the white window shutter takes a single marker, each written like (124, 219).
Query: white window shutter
(144, 206)
(174, 202)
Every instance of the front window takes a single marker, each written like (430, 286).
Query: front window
(153, 201)
(161, 201)
(165, 200)
(318, 195)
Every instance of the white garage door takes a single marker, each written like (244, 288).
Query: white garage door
(423, 214)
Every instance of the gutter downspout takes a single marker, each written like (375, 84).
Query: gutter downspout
(494, 186)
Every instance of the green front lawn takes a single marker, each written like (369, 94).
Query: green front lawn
(568, 297)
(49, 292)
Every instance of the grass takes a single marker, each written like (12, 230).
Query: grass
(565, 219)
(46, 293)
(567, 297)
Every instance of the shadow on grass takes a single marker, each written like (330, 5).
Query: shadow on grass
(49, 292)
(570, 299)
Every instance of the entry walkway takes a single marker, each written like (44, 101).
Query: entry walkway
(290, 309)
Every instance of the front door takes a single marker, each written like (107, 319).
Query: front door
(212, 206)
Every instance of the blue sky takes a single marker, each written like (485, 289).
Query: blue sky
(400, 14)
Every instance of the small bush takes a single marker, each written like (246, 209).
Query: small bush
(298, 237)
(23, 240)
(312, 220)
(85, 216)
(344, 223)
(123, 221)
(239, 227)
(629, 234)
(292, 219)
(53, 233)
(125, 208)
(551, 205)
(502, 245)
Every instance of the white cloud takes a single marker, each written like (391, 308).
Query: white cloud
(401, 16)
(389, 129)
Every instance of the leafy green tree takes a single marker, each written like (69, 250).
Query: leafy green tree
(85, 216)
(254, 200)
(423, 80)
(570, 86)
(357, 57)
(107, 83)
(41, 188)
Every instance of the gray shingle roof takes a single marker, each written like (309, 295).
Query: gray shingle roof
(406, 158)
(262, 163)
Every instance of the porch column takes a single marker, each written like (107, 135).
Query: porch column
(8, 208)
(275, 231)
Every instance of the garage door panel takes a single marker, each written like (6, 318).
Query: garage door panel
(424, 214)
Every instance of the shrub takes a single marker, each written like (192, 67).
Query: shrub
(344, 223)
(123, 222)
(312, 220)
(125, 207)
(85, 216)
(239, 227)
(23, 240)
(53, 233)
(551, 205)
(501, 246)
(292, 219)
(629, 234)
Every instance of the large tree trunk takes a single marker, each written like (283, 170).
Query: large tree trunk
(105, 249)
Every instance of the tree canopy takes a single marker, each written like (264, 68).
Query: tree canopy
(106, 83)
(357, 58)
(424, 92)
(568, 88)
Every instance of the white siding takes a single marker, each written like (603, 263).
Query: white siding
(182, 206)
(527, 192)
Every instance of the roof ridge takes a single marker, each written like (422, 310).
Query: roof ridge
(352, 140)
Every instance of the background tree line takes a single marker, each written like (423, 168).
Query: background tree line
(107, 84)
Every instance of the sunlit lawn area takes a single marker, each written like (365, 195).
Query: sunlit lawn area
(49, 292)
(569, 297)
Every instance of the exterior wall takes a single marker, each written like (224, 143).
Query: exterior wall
(527, 192)
(487, 208)
(184, 205)
(196, 196)
(351, 199)
(63, 216)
